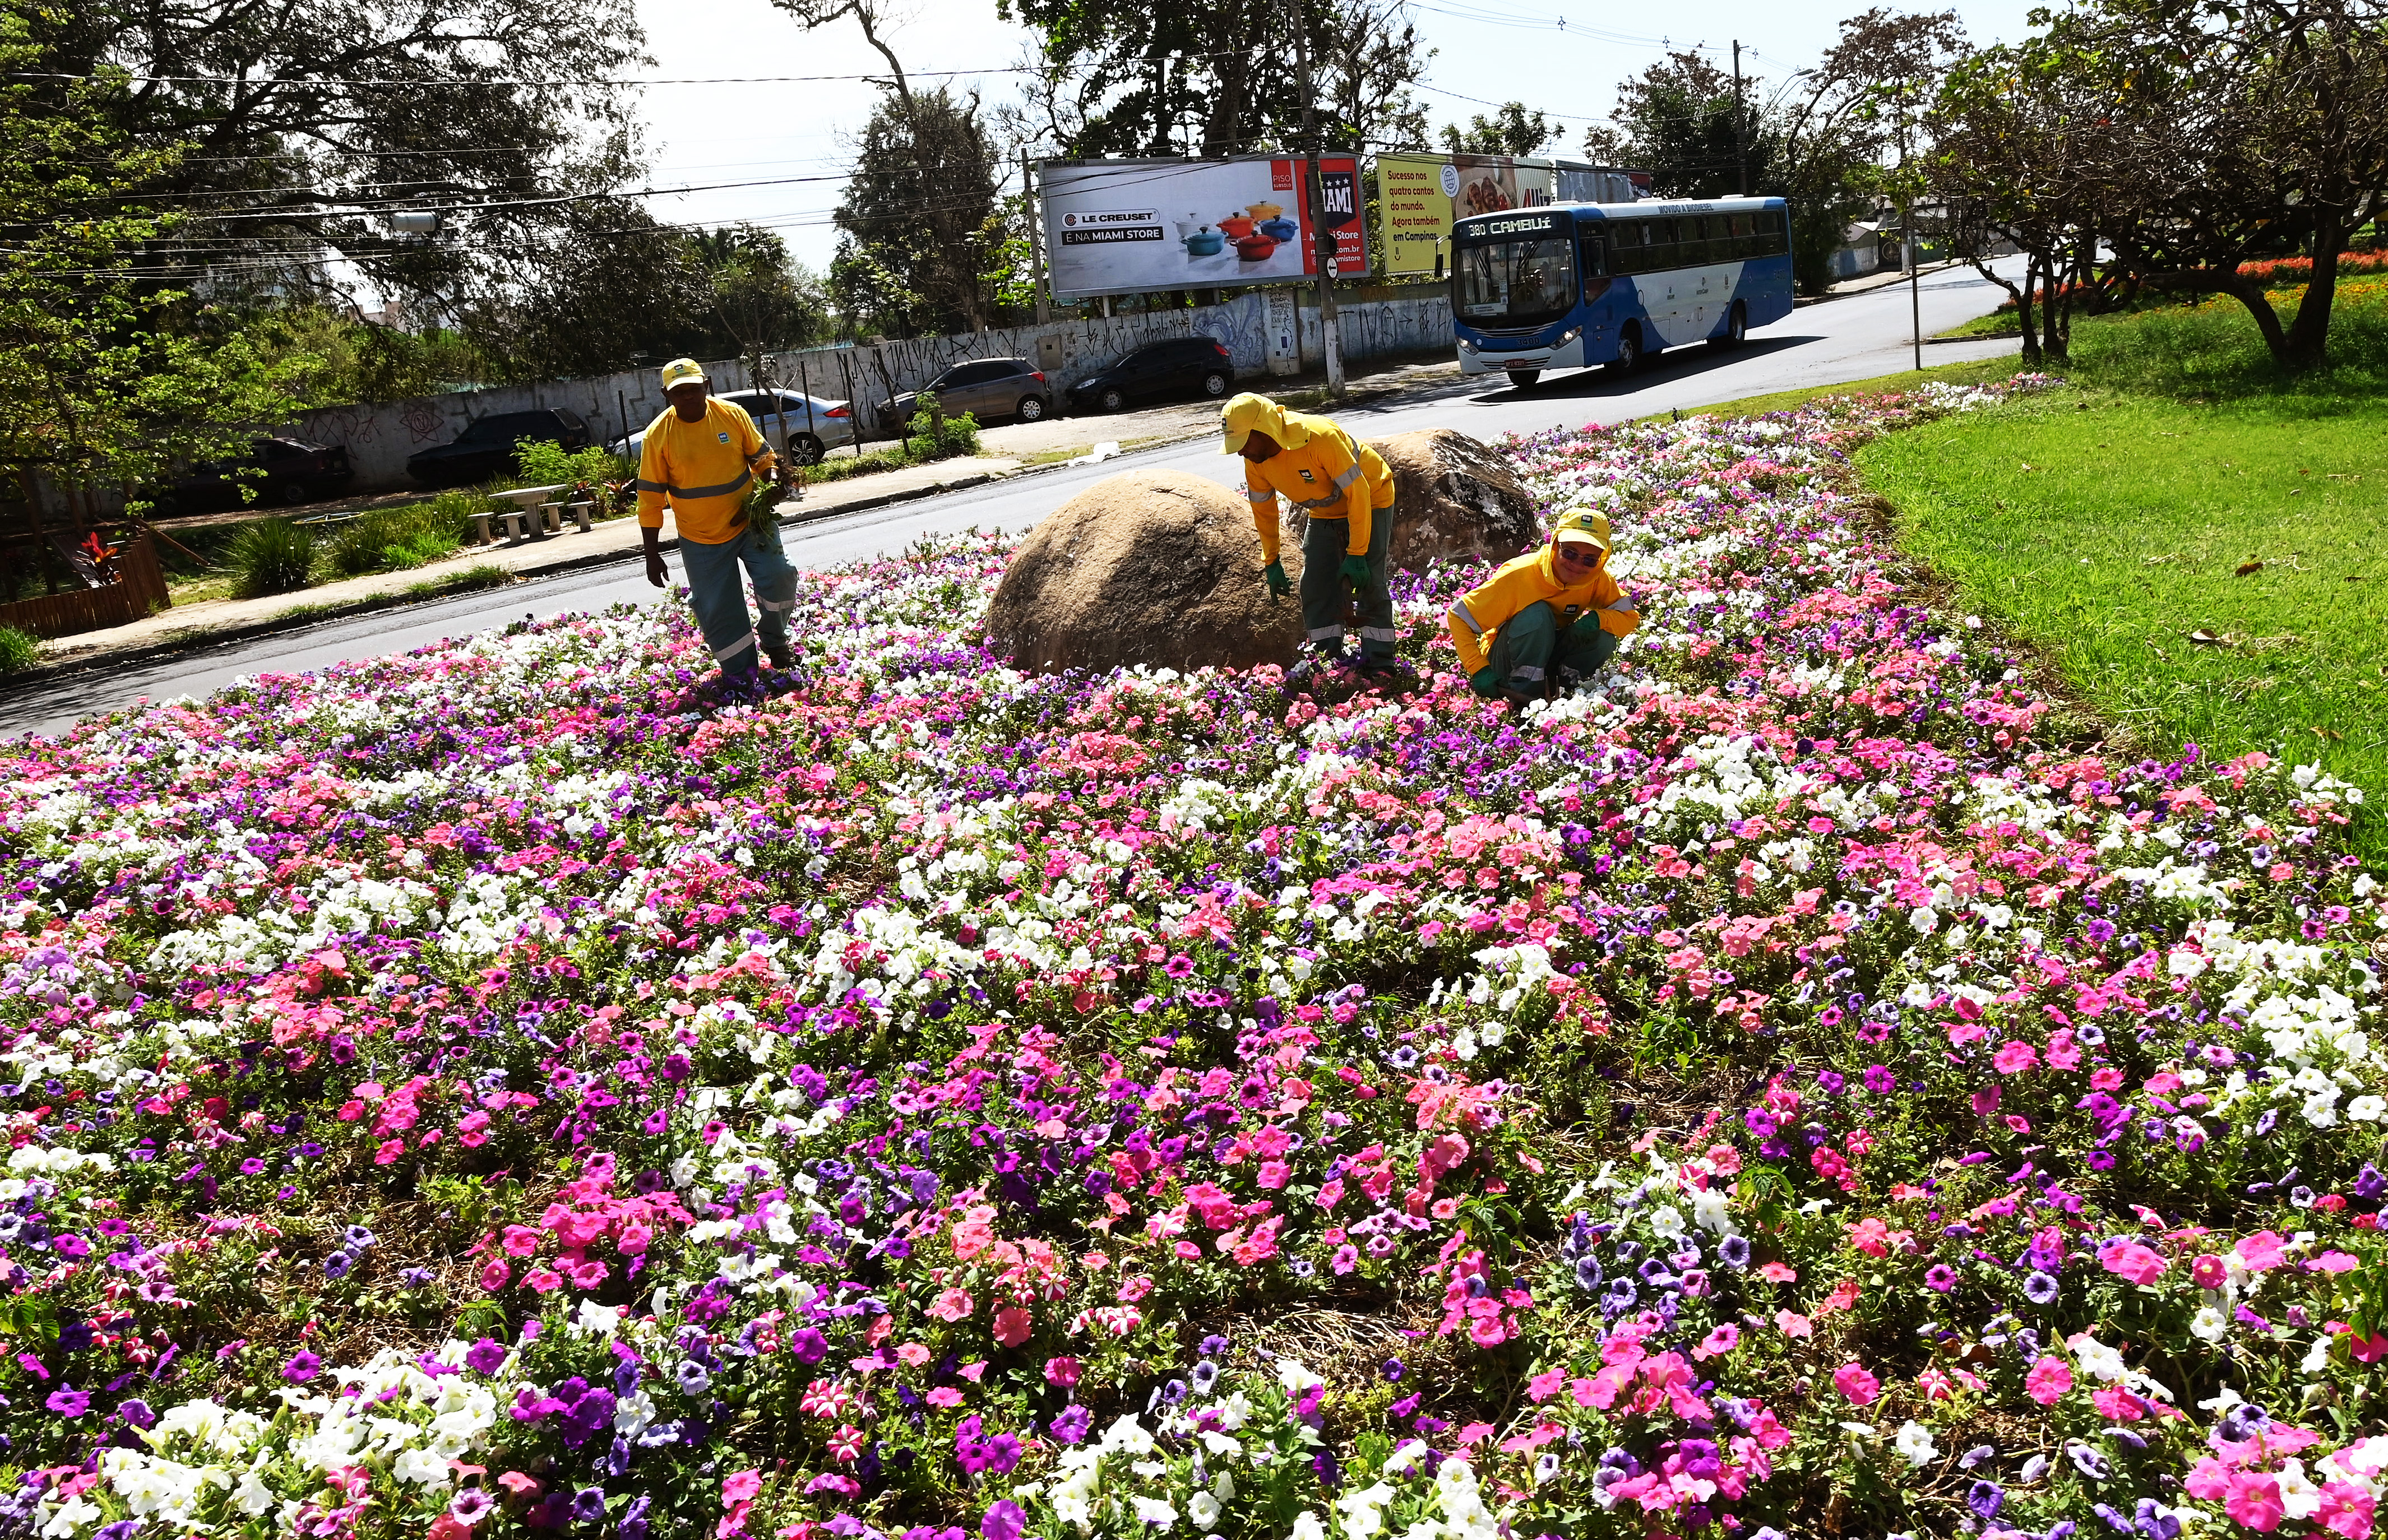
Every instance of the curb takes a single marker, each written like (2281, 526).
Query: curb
(249, 631)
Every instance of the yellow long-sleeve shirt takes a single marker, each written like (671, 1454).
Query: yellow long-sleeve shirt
(1531, 579)
(703, 468)
(1325, 472)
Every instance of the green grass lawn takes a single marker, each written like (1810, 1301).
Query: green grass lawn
(2196, 542)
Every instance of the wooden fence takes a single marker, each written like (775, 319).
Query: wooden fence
(139, 589)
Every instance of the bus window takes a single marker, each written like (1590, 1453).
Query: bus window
(1772, 242)
(1626, 238)
(1743, 244)
(1594, 261)
(1664, 251)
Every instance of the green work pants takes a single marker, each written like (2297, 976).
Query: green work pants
(1324, 592)
(1533, 642)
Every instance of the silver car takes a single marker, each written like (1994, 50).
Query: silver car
(987, 388)
(806, 427)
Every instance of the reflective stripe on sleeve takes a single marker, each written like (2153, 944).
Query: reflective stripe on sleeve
(1465, 617)
(1344, 481)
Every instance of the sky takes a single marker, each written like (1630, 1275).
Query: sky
(1561, 60)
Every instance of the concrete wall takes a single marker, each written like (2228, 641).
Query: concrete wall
(380, 438)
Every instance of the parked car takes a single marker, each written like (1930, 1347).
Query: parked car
(807, 424)
(1180, 369)
(287, 471)
(485, 448)
(986, 389)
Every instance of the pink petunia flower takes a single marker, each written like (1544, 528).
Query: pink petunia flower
(1856, 1382)
(2048, 1379)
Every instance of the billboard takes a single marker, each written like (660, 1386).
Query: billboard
(1418, 196)
(1132, 226)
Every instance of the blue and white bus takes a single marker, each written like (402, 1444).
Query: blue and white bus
(1572, 284)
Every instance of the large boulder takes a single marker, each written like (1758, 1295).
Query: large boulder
(1453, 498)
(1158, 567)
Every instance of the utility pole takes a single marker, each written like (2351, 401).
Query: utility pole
(1740, 137)
(1914, 253)
(1035, 241)
(1330, 330)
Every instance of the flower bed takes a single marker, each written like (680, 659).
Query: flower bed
(507, 1087)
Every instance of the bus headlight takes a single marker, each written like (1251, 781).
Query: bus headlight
(1568, 335)
(1467, 344)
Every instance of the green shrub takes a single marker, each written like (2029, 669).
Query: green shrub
(272, 556)
(393, 539)
(931, 440)
(17, 650)
(553, 465)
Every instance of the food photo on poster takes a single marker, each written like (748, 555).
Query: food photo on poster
(1127, 227)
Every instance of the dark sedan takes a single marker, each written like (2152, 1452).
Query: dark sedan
(486, 449)
(287, 471)
(1181, 369)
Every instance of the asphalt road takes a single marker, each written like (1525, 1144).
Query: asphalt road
(1851, 338)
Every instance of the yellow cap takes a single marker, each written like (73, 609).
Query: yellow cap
(680, 371)
(1245, 415)
(1582, 527)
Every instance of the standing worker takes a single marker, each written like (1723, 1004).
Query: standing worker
(1547, 613)
(702, 456)
(1347, 489)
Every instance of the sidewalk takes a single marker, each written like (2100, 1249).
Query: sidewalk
(219, 620)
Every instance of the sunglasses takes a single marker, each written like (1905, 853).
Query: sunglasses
(1567, 553)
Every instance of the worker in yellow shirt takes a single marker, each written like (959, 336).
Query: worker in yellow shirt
(1552, 610)
(1346, 490)
(702, 456)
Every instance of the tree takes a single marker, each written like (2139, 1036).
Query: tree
(1366, 61)
(96, 392)
(1819, 141)
(1676, 120)
(1510, 130)
(1217, 77)
(762, 302)
(2234, 136)
(2015, 149)
(304, 120)
(614, 285)
(1835, 126)
(923, 202)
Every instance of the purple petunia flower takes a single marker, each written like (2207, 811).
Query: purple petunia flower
(302, 1367)
(69, 1402)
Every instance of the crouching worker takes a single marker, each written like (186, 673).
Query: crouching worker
(702, 456)
(1550, 613)
(1347, 489)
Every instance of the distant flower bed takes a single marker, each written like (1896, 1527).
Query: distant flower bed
(1785, 1090)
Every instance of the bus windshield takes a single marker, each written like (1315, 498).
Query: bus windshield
(1515, 283)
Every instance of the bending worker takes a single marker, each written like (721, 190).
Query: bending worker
(1551, 610)
(1346, 490)
(702, 456)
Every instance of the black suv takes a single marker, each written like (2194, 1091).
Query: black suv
(288, 471)
(1180, 369)
(486, 449)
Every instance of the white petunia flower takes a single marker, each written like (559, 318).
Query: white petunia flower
(1914, 1443)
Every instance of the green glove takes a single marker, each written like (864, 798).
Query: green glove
(1356, 570)
(1486, 682)
(1278, 584)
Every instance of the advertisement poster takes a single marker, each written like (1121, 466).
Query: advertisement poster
(1418, 196)
(1132, 226)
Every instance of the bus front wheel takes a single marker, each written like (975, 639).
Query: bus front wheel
(1737, 328)
(1629, 352)
(1523, 379)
